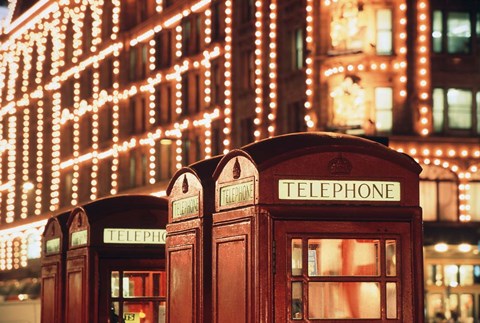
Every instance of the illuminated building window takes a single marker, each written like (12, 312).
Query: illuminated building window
(475, 200)
(34, 246)
(247, 10)
(163, 49)
(384, 32)
(164, 160)
(87, 31)
(107, 22)
(67, 140)
(295, 117)
(383, 109)
(217, 82)
(248, 70)
(86, 84)
(86, 132)
(163, 104)
(298, 49)
(246, 131)
(218, 20)
(438, 194)
(106, 74)
(186, 143)
(66, 190)
(217, 138)
(137, 63)
(185, 94)
(135, 12)
(452, 32)
(104, 171)
(106, 124)
(452, 110)
(132, 167)
(198, 93)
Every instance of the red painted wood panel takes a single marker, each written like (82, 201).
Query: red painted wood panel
(181, 307)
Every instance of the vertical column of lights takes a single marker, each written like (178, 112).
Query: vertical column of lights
(3, 254)
(258, 69)
(23, 251)
(57, 61)
(423, 69)
(25, 163)
(208, 80)
(40, 114)
(96, 39)
(309, 66)
(1, 167)
(272, 116)
(153, 117)
(3, 77)
(227, 112)
(77, 51)
(12, 137)
(464, 196)
(28, 57)
(401, 63)
(178, 94)
(9, 253)
(115, 107)
(95, 126)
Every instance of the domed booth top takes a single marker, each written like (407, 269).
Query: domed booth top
(54, 247)
(191, 194)
(116, 245)
(291, 213)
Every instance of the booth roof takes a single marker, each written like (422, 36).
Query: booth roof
(269, 151)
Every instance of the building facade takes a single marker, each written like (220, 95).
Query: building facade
(106, 97)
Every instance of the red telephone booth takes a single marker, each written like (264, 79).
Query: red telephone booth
(191, 192)
(317, 227)
(115, 269)
(54, 246)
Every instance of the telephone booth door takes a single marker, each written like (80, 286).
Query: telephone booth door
(343, 270)
(134, 292)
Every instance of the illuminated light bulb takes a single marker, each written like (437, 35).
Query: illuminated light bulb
(441, 247)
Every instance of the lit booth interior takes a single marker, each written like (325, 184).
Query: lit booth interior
(54, 250)
(191, 196)
(115, 266)
(317, 226)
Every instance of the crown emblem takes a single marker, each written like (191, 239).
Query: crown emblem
(185, 185)
(236, 169)
(339, 165)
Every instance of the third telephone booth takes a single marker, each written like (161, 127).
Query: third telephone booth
(314, 227)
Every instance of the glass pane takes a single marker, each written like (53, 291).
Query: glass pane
(384, 42)
(428, 200)
(466, 307)
(451, 275)
(343, 257)
(435, 307)
(139, 312)
(437, 31)
(297, 301)
(475, 196)
(140, 283)
(296, 257)
(459, 108)
(391, 257)
(452, 303)
(391, 300)
(114, 312)
(343, 300)
(438, 275)
(115, 284)
(384, 121)
(447, 201)
(466, 275)
(459, 32)
(438, 109)
(383, 108)
(429, 275)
